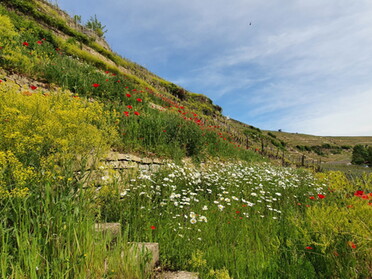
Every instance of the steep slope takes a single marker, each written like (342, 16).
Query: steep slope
(45, 45)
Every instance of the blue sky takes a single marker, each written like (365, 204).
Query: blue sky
(301, 66)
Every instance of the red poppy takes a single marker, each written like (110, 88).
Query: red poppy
(164, 131)
(136, 113)
(351, 244)
(309, 248)
(39, 42)
(153, 227)
(33, 87)
(106, 79)
(237, 212)
(25, 43)
(128, 95)
(139, 100)
(107, 72)
(365, 197)
(358, 193)
(95, 85)
(1, 81)
(312, 198)
(126, 113)
(320, 196)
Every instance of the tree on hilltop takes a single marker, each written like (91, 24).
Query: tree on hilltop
(94, 24)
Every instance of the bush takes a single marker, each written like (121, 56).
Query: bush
(361, 155)
(272, 135)
(41, 127)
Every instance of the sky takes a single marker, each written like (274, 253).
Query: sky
(297, 65)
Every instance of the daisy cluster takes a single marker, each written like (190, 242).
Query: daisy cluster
(190, 197)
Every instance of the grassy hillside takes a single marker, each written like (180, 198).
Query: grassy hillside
(328, 149)
(76, 58)
(66, 100)
(151, 115)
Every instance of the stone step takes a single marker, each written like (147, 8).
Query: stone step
(144, 250)
(148, 251)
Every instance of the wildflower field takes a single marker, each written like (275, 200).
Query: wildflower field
(229, 214)
(251, 221)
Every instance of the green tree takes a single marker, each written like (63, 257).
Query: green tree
(94, 24)
(370, 156)
(360, 154)
(77, 19)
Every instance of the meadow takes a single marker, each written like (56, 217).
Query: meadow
(228, 214)
(228, 220)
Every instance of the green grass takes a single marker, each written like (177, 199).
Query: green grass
(253, 221)
(233, 219)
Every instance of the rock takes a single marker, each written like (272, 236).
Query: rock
(157, 161)
(113, 228)
(144, 167)
(146, 161)
(116, 156)
(149, 248)
(178, 275)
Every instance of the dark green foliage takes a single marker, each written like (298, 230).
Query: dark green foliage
(218, 108)
(278, 143)
(252, 134)
(321, 150)
(318, 150)
(362, 154)
(95, 25)
(271, 135)
(256, 129)
(326, 145)
(346, 147)
(283, 143)
(303, 148)
(175, 90)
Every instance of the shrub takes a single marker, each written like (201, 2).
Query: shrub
(361, 154)
(37, 126)
(272, 135)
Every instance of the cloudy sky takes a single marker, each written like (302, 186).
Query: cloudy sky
(300, 66)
